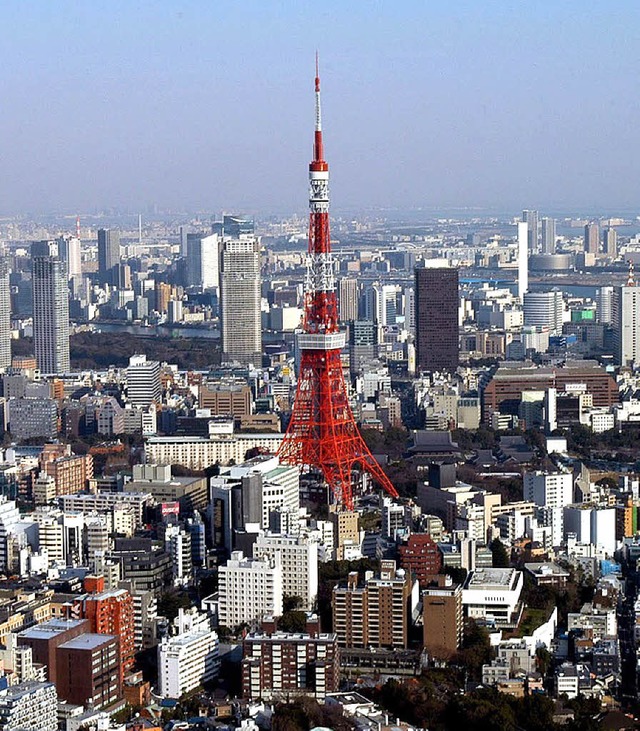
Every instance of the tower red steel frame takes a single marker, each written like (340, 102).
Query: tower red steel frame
(322, 432)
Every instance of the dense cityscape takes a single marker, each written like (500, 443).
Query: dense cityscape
(356, 469)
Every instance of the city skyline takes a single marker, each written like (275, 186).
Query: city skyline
(481, 106)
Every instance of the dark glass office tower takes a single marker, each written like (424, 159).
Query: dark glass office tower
(437, 302)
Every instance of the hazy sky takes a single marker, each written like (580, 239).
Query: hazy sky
(208, 104)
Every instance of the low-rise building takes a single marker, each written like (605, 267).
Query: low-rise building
(493, 595)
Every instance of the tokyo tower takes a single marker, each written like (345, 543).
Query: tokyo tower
(322, 432)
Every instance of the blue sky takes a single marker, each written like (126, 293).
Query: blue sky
(208, 105)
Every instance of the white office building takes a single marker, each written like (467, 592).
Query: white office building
(592, 525)
(190, 657)
(143, 381)
(552, 490)
(298, 557)
(280, 483)
(493, 595)
(202, 260)
(249, 589)
(544, 310)
(604, 305)
(198, 453)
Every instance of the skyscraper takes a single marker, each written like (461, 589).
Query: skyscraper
(523, 260)
(69, 252)
(531, 219)
(380, 304)
(5, 314)
(437, 302)
(604, 304)
(548, 235)
(108, 253)
(202, 261)
(592, 238)
(626, 323)
(240, 318)
(348, 299)
(611, 242)
(50, 308)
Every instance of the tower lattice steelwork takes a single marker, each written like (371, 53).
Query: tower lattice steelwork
(322, 432)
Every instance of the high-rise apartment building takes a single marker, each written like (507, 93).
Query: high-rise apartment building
(420, 557)
(143, 381)
(279, 664)
(298, 556)
(111, 613)
(5, 314)
(240, 319)
(442, 618)
(249, 590)
(611, 242)
(544, 309)
(203, 261)
(348, 293)
(190, 657)
(108, 253)
(50, 309)
(625, 315)
(548, 235)
(29, 705)
(531, 219)
(437, 302)
(374, 614)
(592, 238)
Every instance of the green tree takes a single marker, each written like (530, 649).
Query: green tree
(499, 556)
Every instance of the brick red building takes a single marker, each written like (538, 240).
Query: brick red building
(502, 390)
(88, 670)
(278, 664)
(45, 638)
(111, 613)
(420, 557)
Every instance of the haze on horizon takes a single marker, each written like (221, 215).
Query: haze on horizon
(209, 106)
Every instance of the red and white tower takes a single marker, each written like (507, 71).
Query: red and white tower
(322, 432)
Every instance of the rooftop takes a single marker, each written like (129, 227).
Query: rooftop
(46, 630)
(87, 641)
(490, 579)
